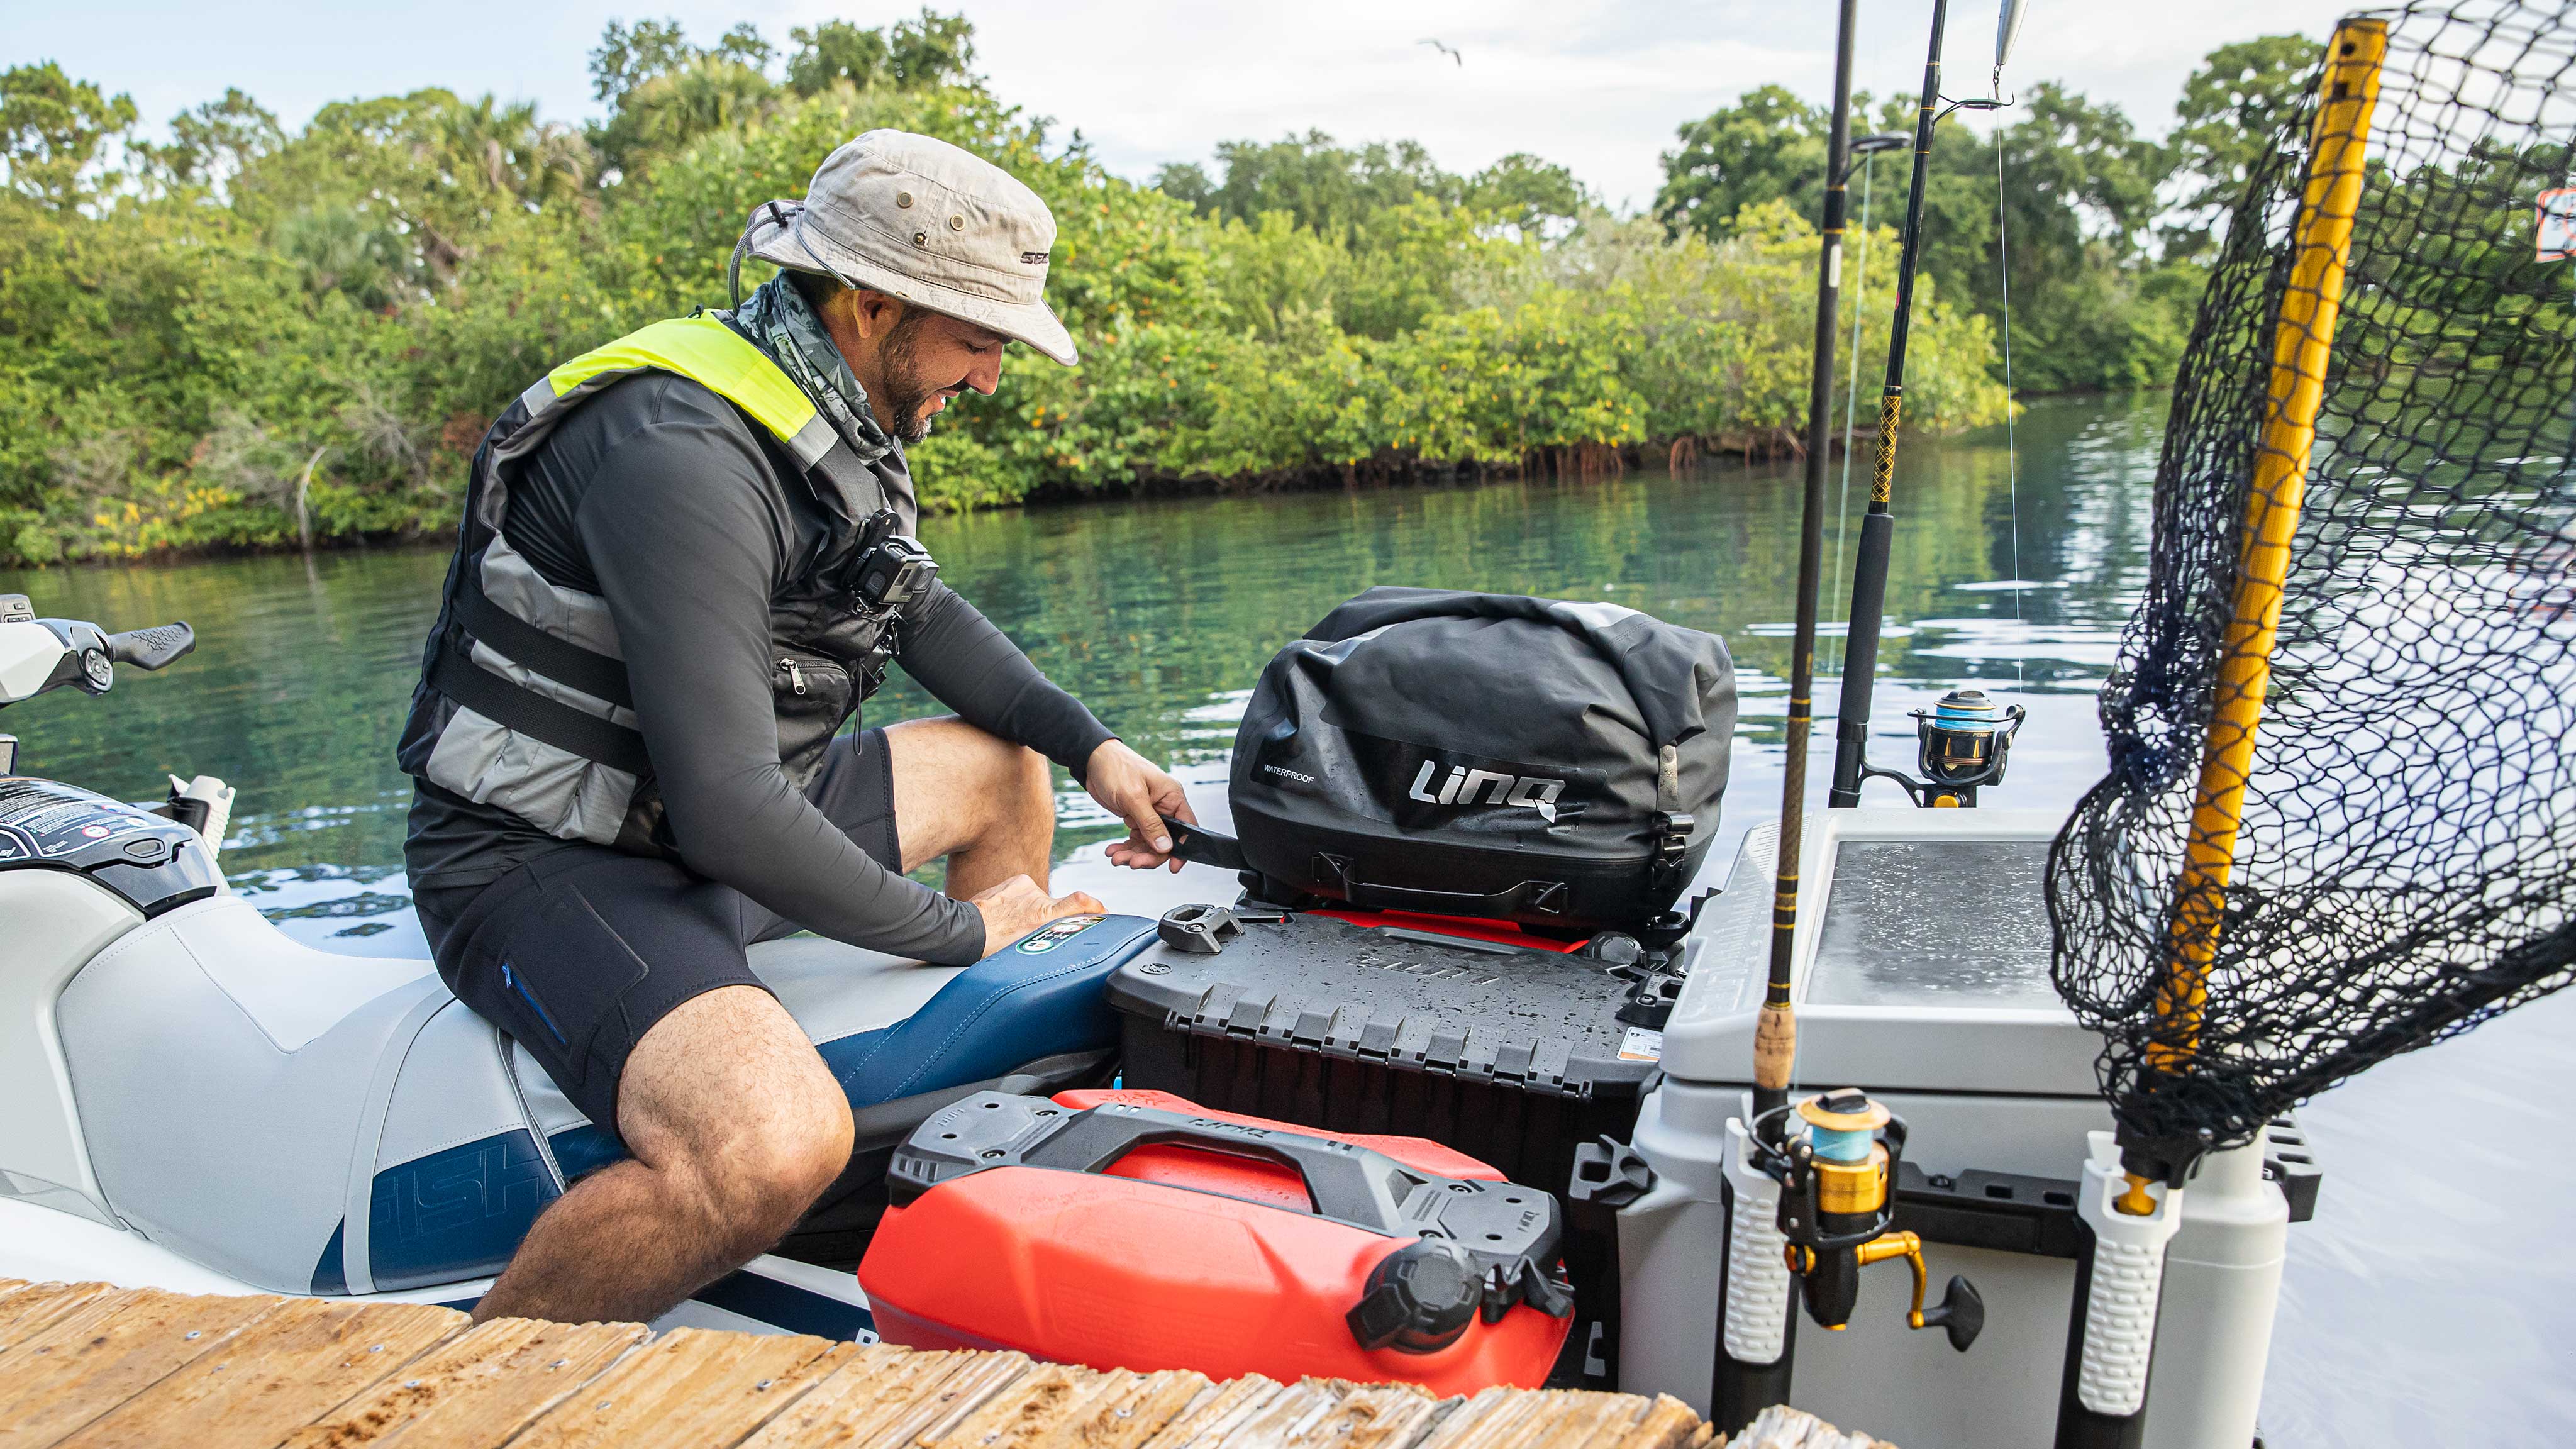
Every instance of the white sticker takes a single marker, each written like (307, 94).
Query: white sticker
(1641, 1045)
(1834, 263)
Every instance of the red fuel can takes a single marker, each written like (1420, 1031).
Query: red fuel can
(1136, 1230)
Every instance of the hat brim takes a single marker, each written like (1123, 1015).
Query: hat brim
(789, 243)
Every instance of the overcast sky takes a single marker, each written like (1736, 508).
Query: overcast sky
(1596, 84)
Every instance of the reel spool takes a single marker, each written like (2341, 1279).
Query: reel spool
(1834, 1156)
(1966, 739)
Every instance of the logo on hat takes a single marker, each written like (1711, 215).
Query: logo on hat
(1034, 259)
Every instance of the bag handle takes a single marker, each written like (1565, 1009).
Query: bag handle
(1545, 896)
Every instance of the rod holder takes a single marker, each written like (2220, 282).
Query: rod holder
(2116, 1326)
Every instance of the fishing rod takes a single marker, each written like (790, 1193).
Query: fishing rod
(1966, 739)
(1810, 1198)
(1756, 1329)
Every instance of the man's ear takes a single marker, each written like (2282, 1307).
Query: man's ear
(870, 313)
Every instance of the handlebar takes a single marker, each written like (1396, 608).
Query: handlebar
(155, 648)
(41, 655)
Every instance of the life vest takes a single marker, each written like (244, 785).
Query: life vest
(523, 701)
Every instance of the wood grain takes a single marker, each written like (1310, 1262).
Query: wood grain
(1781, 1427)
(476, 1390)
(274, 1376)
(88, 1366)
(688, 1389)
(87, 1362)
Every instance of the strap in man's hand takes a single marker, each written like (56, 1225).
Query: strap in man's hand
(1201, 846)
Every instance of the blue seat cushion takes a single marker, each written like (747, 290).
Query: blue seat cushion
(1043, 996)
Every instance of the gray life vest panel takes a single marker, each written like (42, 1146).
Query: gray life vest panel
(523, 701)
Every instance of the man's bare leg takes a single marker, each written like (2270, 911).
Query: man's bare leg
(736, 1127)
(986, 804)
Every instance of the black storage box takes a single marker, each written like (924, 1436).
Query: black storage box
(1513, 1056)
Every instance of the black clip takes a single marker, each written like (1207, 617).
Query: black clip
(1199, 930)
(1609, 1172)
(1675, 843)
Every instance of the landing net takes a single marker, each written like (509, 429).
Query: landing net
(2403, 860)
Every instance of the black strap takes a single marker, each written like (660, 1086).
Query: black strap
(452, 674)
(524, 643)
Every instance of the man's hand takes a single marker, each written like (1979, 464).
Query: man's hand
(1135, 790)
(1016, 907)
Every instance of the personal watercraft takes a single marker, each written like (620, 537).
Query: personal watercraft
(198, 1102)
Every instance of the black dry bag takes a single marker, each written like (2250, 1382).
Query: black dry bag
(1534, 760)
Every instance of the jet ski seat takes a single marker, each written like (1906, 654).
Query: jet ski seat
(316, 1123)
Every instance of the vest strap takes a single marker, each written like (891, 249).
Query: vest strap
(560, 660)
(458, 677)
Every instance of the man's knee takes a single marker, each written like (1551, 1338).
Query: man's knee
(727, 1099)
(760, 1179)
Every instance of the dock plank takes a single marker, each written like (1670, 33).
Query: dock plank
(1063, 1407)
(691, 1388)
(277, 1374)
(1373, 1416)
(1009, 1419)
(1124, 1411)
(1483, 1420)
(1781, 1427)
(1206, 1421)
(1282, 1419)
(956, 1398)
(30, 1309)
(884, 1396)
(88, 1366)
(1667, 1423)
(476, 1390)
(115, 1346)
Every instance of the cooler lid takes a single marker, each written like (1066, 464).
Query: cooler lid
(1922, 959)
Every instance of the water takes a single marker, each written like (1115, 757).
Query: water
(2398, 1323)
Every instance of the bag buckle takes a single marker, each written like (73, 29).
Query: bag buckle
(1674, 842)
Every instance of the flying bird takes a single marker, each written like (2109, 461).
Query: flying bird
(1447, 50)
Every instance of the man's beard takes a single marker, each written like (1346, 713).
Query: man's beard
(900, 411)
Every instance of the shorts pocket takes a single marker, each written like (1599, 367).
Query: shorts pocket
(571, 1000)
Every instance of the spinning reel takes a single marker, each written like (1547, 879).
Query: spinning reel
(1838, 1209)
(1966, 739)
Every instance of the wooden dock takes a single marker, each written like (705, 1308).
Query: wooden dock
(89, 1366)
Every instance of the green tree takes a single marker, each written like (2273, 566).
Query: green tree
(628, 56)
(56, 134)
(1769, 144)
(1528, 194)
(928, 50)
(210, 144)
(1319, 182)
(2231, 112)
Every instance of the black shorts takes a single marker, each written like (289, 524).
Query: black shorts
(578, 953)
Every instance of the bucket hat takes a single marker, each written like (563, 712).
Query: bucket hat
(931, 223)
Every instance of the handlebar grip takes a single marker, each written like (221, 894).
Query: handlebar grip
(153, 648)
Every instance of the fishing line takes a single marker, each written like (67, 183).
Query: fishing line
(1851, 404)
(2012, 462)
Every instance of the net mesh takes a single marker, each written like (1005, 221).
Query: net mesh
(2404, 859)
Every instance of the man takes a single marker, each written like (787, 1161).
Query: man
(685, 560)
